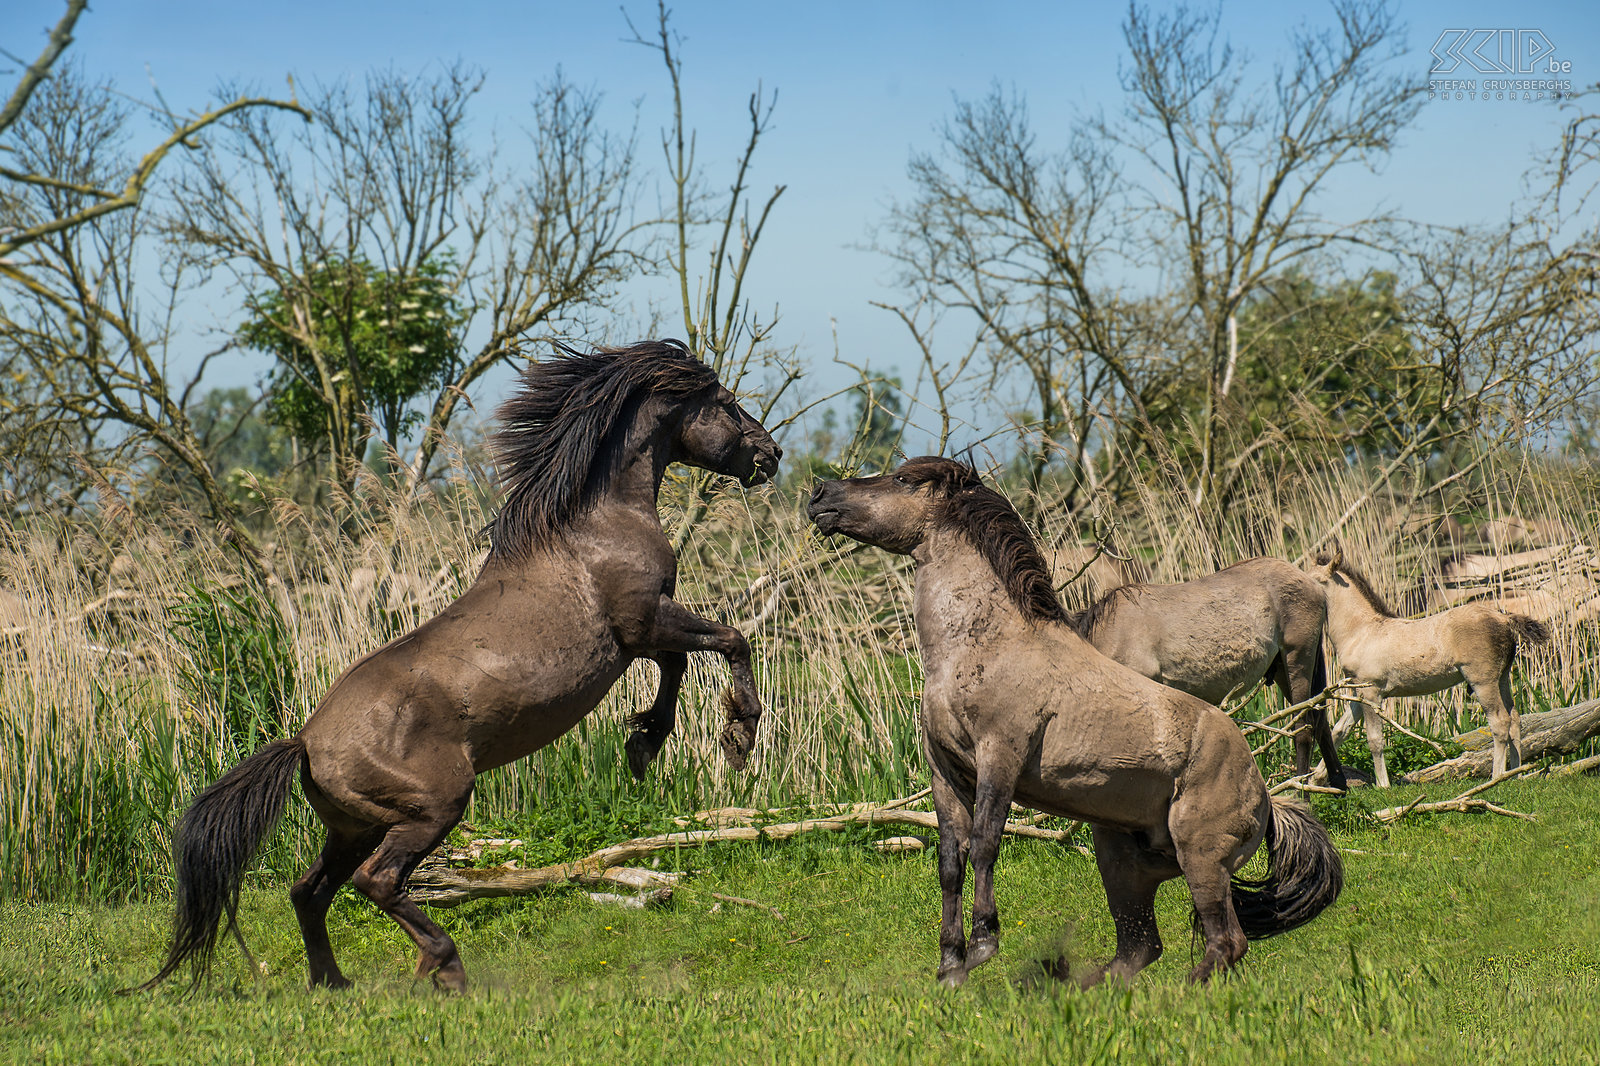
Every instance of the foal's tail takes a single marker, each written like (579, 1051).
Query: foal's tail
(1304, 874)
(1528, 630)
(213, 844)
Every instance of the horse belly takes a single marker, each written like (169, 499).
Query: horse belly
(547, 695)
(1131, 798)
(1216, 662)
(1110, 761)
(1420, 682)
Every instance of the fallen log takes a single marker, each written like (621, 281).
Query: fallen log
(632, 850)
(1571, 719)
(443, 886)
(1545, 735)
(1577, 766)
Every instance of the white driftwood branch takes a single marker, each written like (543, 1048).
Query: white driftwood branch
(442, 886)
(1463, 803)
(1300, 784)
(1545, 735)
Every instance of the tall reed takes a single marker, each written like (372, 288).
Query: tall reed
(142, 664)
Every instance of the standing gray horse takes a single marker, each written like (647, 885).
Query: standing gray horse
(577, 585)
(1386, 655)
(1222, 633)
(1017, 706)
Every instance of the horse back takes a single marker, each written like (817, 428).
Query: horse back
(1217, 633)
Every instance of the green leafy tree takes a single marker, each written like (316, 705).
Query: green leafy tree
(229, 425)
(356, 346)
(1337, 363)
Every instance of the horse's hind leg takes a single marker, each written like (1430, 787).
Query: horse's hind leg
(382, 879)
(1204, 858)
(1373, 721)
(313, 894)
(1302, 674)
(1504, 724)
(652, 728)
(1131, 874)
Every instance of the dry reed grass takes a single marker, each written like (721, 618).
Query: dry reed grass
(106, 728)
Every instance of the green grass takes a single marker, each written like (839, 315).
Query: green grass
(1458, 939)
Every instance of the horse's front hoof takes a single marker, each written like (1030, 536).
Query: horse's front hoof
(952, 978)
(739, 735)
(736, 745)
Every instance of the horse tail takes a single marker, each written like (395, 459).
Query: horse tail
(1529, 630)
(1304, 874)
(215, 841)
(1319, 670)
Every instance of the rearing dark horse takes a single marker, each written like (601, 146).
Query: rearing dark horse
(578, 584)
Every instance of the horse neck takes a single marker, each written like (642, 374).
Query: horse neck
(1349, 612)
(958, 595)
(646, 451)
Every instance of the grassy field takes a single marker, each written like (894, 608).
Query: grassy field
(1458, 939)
(141, 666)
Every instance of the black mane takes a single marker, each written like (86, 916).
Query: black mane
(1100, 611)
(1361, 584)
(561, 432)
(992, 526)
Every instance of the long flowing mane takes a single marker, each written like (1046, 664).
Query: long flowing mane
(1359, 581)
(992, 526)
(561, 434)
(1100, 611)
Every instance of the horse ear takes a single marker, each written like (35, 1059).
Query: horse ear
(1335, 555)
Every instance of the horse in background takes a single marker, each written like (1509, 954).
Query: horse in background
(1218, 635)
(1386, 655)
(578, 584)
(1018, 706)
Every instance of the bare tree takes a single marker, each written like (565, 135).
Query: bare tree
(102, 196)
(386, 183)
(1205, 176)
(721, 324)
(91, 360)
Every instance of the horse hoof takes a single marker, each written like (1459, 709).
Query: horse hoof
(334, 981)
(981, 951)
(1046, 972)
(952, 978)
(451, 978)
(640, 754)
(738, 740)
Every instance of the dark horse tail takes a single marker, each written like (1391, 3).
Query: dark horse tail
(1304, 874)
(1319, 673)
(1528, 630)
(214, 843)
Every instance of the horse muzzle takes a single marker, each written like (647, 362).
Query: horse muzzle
(822, 510)
(763, 465)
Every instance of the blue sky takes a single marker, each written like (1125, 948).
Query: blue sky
(861, 86)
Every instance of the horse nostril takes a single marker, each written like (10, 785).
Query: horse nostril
(777, 452)
(816, 493)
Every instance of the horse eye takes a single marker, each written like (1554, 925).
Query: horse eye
(899, 479)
